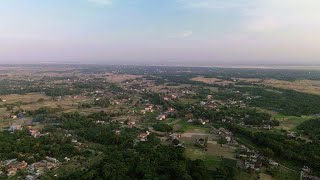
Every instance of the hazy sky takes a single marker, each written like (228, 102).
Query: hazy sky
(160, 31)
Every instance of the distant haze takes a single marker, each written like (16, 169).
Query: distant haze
(173, 32)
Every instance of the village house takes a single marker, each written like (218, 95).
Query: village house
(305, 174)
(50, 159)
(13, 166)
(251, 159)
(143, 136)
(131, 123)
(291, 135)
(15, 127)
(143, 111)
(170, 110)
(173, 96)
(39, 168)
(162, 117)
(173, 136)
(251, 165)
(100, 122)
(273, 163)
(202, 103)
(227, 135)
(149, 108)
(67, 159)
(34, 133)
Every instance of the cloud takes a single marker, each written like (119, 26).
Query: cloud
(182, 34)
(265, 15)
(284, 15)
(211, 4)
(101, 2)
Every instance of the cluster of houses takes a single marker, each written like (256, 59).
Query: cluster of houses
(305, 174)
(33, 132)
(148, 109)
(78, 145)
(13, 166)
(225, 134)
(166, 114)
(252, 160)
(170, 97)
(171, 136)
(15, 127)
(215, 104)
(34, 170)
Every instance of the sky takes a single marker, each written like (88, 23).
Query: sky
(181, 32)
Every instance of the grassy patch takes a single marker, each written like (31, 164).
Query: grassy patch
(77, 163)
(211, 161)
(284, 174)
(290, 122)
(181, 125)
(189, 100)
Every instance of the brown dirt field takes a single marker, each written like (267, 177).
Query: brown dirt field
(158, 89)
(65, 104)
(164, 88)
(211, 80)
(4, 112)
(265, 177)
(31, 97)
(118, 78)
(306, 86)
(218, 150)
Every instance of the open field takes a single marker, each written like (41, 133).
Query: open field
(287, 122)
(265, 177)
(8, 122)
(118, 78)
(306, 86)
(293, 67)
(28, 98)
(283, 174)
(211, 80)
(180, 125)
(66, 104)
(211, 161)
(164, 88)
(214, 151)
(290, 122)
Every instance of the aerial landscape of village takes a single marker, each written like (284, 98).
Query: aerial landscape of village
(159, 90)
(140, 122)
